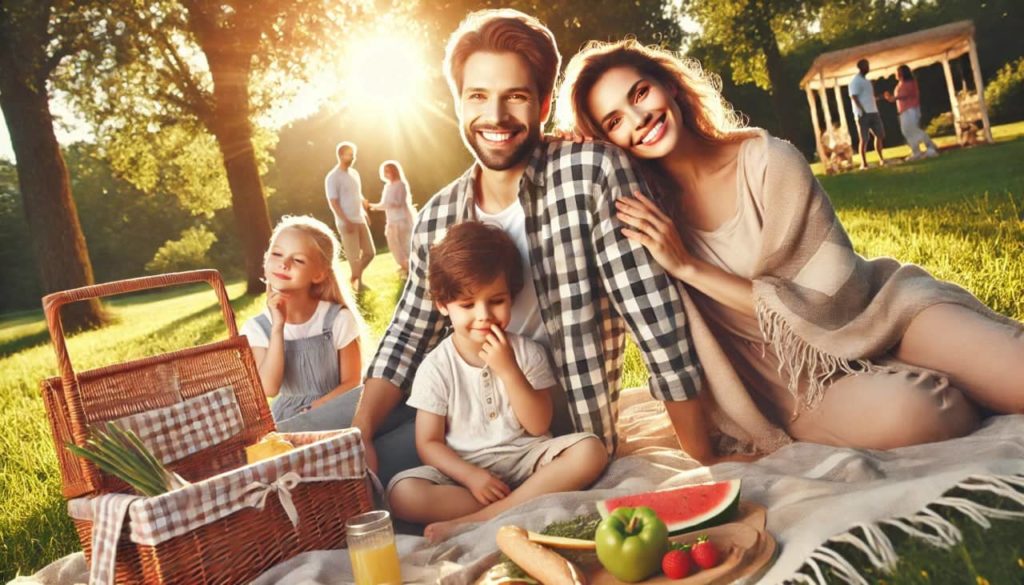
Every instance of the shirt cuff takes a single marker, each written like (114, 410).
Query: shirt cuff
(677, 387)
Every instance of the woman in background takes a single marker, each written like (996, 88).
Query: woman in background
(908, 103)
(395, 202)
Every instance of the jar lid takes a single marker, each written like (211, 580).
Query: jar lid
(368, 522)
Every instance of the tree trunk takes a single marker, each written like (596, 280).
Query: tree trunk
(233, 132)
(59, 246)
(784, 100)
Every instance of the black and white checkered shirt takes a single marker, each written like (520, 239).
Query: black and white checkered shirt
(591, 282)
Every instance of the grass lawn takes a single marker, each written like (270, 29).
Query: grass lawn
(958, 215)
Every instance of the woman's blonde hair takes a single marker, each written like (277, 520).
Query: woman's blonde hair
(327, 247)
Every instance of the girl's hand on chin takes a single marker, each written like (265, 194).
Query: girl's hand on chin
(277, 302)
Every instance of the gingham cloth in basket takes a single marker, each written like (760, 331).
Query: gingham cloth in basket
(333, 455)
(177, 431)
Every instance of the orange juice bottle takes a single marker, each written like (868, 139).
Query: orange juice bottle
(371, 547)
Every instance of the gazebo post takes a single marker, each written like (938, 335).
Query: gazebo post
(980, 87)
(823, 94)
(817, 128)
(842, 109)
(954, 103)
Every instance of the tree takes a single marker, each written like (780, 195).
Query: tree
(198, 68)
(35, 36)
(752, 33)
(573, 22)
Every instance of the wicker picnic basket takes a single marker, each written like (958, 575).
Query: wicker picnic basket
(228, 549)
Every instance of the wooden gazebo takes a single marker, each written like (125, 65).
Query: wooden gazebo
(835, 69)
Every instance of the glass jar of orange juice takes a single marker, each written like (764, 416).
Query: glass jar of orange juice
(371, 546)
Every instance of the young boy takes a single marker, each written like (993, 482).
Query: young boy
(483, 398)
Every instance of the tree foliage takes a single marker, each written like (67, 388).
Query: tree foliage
(171, 86)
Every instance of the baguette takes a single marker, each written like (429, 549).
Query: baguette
(541, 563)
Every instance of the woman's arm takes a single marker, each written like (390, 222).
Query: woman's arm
(690, 424)
(350, 364)
(652, 228)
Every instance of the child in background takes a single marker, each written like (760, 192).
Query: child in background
(483, 398)
(398, 210)
(306, 342)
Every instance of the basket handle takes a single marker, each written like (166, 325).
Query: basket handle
(53, 302)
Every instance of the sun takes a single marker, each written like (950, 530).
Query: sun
(385, 71)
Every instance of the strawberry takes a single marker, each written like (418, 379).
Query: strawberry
(676, 564)
(704, 553)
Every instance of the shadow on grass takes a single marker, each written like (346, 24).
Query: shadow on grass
(13, 346)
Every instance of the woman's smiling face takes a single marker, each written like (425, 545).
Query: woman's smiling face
(636, 113)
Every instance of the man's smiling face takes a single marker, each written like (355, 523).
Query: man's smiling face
(499, 109)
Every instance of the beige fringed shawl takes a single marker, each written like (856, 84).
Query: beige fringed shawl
(823, 308)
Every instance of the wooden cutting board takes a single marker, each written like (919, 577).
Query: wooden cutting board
(746, 547)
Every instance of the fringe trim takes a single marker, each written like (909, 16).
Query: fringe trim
(926, 525)
(797, 359)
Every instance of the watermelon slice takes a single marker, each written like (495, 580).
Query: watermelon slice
(687, 508)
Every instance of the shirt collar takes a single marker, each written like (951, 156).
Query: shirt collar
(530, 183)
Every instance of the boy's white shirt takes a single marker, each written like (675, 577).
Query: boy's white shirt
(526, 318)
(344, 330)
(448, 386)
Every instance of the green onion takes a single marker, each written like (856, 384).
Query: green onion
(122, 454)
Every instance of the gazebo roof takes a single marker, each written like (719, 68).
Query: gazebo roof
(916, 49)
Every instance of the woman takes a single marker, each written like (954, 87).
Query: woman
(795, 330)
(398, 210)
(908, 103)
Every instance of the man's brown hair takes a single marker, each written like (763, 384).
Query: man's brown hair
(471, 255)
(504, 31)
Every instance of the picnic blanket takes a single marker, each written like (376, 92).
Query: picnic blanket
(812, 492)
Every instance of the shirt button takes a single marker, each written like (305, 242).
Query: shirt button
(488, 401)
(485, 374)
(493, 415)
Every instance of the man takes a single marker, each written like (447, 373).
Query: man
(865, 109)
(345, 197)
(585, 281)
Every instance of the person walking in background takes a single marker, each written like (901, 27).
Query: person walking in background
(395, 202)
(344, 191)
(907, 98)
(862, 95)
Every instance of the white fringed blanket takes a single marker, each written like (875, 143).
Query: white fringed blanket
(812, 492)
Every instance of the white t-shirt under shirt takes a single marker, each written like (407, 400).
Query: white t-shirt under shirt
(473, 400)
(865, 93)
(344, 331)
(526, 318)
(345, 187)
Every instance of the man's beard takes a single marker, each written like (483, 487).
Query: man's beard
(504, 160)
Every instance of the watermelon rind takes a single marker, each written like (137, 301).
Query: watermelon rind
(665, 504)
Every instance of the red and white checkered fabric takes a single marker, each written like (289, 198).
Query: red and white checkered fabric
(332, 456)
(174, 432)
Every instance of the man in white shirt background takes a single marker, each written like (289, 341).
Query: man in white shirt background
(344, 191)
(865, 108)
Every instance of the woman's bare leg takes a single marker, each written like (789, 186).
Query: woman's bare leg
(983, 357)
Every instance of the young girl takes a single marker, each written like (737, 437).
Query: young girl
(831, 347)
(306, 342)
(395, 203)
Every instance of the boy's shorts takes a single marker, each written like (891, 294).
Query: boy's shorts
(512, 467)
